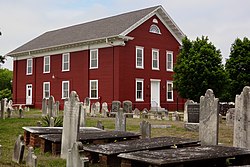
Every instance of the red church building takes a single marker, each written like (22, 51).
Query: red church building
(125, 57)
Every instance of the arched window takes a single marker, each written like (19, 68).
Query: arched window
(154, 29)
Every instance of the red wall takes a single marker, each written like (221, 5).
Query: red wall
(116, 72)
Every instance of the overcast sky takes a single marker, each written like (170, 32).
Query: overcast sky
(221, 20)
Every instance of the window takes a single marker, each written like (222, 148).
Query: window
(29, 67)
(46, 64)
(155, 59)
(139, 90)
(65, 62)
(169, 61)
(154, 29)
(46, 90)
(170, 91)
(93, 89)
(93, 58)
(139, 57)
(65, 89)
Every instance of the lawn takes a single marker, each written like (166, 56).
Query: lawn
(10, 128)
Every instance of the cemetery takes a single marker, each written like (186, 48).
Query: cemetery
(92, 135)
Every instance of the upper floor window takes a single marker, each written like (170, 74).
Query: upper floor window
(155, 59)
(139, 57)
(93, 92)
(139, 90)
(93, 58)
(46, 89)
(154, 29)
(65, 89)
(170, 91)
(46, 64)
(170, 64)
(65, 62)
(29, 66)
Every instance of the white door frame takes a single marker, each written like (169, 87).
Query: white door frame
(155, 93)
(29, 94)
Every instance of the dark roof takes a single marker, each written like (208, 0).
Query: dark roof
(107, 27)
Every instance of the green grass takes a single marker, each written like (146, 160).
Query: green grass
(10, 128)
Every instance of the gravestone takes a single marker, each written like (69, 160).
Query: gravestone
(44, 107)
(98, 108)
(145, 128)
(136, 113)
(120, 121)
(99, 125)
(18, 150)
(56, 109)
(127, 106)
(3, 108)
(87, 105)
(242, 119)
(145, 113)
(185, 119)
(52, 122)
(93, 110)
(20, 111)
(104, 109)
(70, 123)
(8, 112)
(175, 116)
(230, 115)
(76, 157)
(193, 111)
(31, 159)
(209, 119)
(115, 106)
(51, 103)
(83, 115)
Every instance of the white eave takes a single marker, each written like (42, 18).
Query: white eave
(166, 20)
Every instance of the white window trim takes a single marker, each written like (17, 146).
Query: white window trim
(154, 29)
(170, 82)
(45, 64)
(158, 57)
(142, 49)
(90, 59)
(63, 61)
(27, 67)
(97, 87)
(63, 89)
(44, 83)
(172, 63)
(142, 81)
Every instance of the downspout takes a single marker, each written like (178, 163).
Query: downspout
(35, 82)
(88, 59)
(16, 79)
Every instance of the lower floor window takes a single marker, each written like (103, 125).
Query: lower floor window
(65, 89)
(139, 89)
(93, 89)
(46, 90)
(170, 92)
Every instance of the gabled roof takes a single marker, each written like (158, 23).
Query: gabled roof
(115, 26)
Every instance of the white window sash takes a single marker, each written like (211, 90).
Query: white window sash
(65, 61)
(46, 64)
(92, 59)
(142, 57)
(65, 89)
(169, 64)
(139, 91)
(155, 52)
(45, 90)
(29, 67)
(91, 82)
(170, 91)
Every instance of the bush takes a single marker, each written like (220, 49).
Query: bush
(58, 121)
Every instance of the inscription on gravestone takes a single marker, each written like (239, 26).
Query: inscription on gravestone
(193, 113)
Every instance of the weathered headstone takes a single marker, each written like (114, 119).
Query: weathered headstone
(3, 108)
(98, 108)
(99, 125)
(18, 150)
(20, 111)
(93, 110)
(115, 106)
(209, 119)
(145, 128)
(83, 115)
(193, 111)
(145, 113)
(230, 115)
(104, 109)
(70, 123)
(44, 107)
(136, 113)
(8, 112)
(52, 122)
(75, 156)
(175, 116)
(185, 119)
(242, 119)
(51, 103)
(120, 121)
(56, 109)
(127, 106)
(87, 105)
(31, 159)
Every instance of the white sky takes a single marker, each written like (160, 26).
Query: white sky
(221, 20)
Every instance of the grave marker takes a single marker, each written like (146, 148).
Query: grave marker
(185, 119)
(76, 157)
(115, 106)
(18, 150)
(31, 159)
(87, 105)
(44, 107)
(104, 109)
(242, 119)
(209, 119)
(127, 106)
(193, 111)
(145, 128)
(120, 121)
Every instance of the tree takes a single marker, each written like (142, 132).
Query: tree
(5, 83)
(238, 66)
(198, 68)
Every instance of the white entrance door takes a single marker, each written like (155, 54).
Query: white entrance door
(155, 93)
(29, 94)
